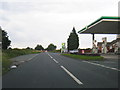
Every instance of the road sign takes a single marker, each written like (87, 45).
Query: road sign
(63, 45)
(63, 49)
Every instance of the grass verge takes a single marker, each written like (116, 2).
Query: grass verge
(84, 57)
(7, 54)
(55, 51)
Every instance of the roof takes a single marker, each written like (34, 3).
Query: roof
(103, 25)
(109, 43)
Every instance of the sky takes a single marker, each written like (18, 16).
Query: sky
(32, 22)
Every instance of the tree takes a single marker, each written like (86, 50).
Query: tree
(5, 40)
(39, 47)
(51, 47)
(0, 35)
(29, 48)
(73, 40)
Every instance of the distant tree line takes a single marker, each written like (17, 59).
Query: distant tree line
(5, 43)
(39, 47)
(72, 42)
(50, 47)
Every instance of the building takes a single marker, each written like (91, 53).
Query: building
(104, 25)
(112, 47)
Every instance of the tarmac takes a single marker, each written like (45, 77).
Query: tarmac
(111, 56)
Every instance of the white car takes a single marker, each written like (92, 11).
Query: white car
(73, 51)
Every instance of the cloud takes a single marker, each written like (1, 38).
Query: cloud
(58, 6)
(29, 23)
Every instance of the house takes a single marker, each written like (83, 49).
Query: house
(111, 46)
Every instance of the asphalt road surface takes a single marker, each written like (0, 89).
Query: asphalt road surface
(51, 70)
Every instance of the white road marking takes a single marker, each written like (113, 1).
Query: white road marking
(32, 57)
(78, 81)
(51, 57)
(102, 65)
(55, 61)
(104, 62)
(22, 61)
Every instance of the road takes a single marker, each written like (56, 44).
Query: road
(52, 70)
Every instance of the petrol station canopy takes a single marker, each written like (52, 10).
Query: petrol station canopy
(104, 25)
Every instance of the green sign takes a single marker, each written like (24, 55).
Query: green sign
(63, 45)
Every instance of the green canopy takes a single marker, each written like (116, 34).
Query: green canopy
(104, 25)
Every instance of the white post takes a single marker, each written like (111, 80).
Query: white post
(95, 49)
(104, 47)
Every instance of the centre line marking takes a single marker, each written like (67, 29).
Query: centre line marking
(102, 65)
(55, 61)
(77, 80)
(51, 57)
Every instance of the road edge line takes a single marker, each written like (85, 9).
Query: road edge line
(101, 65)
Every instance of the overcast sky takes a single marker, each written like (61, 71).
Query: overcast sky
(32, 22)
